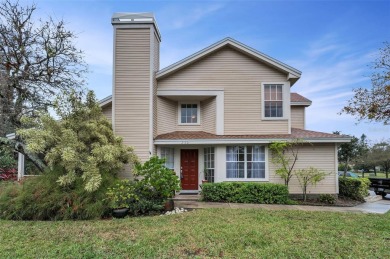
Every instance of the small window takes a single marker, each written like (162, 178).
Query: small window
(189, 113)
(168, 154)
(273, 100)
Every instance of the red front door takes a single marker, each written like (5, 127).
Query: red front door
(189, 169)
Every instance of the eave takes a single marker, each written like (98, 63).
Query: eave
(292, 74)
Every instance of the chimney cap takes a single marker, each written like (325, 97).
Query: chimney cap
(135, 18)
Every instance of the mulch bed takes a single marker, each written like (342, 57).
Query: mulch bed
(340, 202)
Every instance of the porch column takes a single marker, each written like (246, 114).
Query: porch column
(20, 166)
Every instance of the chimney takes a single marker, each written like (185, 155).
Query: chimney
(136, 61)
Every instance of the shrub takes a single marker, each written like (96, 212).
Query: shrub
(156, 182)
(42, 198)
(354, 188)
(327, 198)
(245, 192)
(122, 194)
(144, 207)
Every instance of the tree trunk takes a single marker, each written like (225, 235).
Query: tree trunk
(375, 170)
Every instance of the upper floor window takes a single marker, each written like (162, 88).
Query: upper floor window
(273, 100)
(189, 113)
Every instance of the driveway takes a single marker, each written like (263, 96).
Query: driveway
(376, 206)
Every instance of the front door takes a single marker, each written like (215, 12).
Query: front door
(189, 169)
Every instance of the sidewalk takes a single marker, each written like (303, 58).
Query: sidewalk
(373, 206)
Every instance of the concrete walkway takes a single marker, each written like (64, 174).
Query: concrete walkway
(373, 205)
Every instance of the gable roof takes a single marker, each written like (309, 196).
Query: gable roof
(200, 137)
(293, 74)
(299, 100)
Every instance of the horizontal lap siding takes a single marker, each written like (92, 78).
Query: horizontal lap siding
(320, 156)
(107, 111)
(132, 80)
(168, 121)
(156, 62)
(208, 114)
(298, 117)
(166, 115)
(240, 77)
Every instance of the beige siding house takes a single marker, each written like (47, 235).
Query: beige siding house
(213, 114)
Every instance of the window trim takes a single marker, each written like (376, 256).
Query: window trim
(285, 94)
(246, 179)
(179, 112)
(172, 149)
(205, 160)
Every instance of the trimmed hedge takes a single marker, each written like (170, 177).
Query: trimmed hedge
(239, 192)
(354, 188)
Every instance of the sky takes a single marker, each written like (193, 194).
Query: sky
(332, 42)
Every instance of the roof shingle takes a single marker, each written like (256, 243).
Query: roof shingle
(295, 134)
(298, 98)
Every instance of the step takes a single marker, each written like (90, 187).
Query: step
(187, 197)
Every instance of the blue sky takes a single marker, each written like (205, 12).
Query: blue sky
(331, 42)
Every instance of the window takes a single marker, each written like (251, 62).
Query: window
(273, 100)
(245, 162)
(209, 164)
(168, 154)
(189, 113)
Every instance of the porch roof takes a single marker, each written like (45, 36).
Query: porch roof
(201, 137)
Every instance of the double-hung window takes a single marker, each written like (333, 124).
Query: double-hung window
(245, 162)
(273, 100)
(168, 154)
(189, 113)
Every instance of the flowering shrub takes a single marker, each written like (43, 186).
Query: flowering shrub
(8, 174)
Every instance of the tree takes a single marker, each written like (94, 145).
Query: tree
(309, 176)
(351, 151)
(38, 60)
(79, 141)
(380, 154)
(374, 104)
(285, 156)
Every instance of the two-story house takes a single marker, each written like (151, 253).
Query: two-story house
(213, 113)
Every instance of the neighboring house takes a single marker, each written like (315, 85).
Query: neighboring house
(215, 111)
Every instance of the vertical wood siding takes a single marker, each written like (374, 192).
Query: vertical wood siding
(240, 76)
(132, 81)
(320, 156)
(298, 117)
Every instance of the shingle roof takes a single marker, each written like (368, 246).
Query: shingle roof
(295, 134)
(297, 98)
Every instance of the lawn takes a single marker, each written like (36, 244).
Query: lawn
(203, 233)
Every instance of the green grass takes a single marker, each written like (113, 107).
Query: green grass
(204, 233)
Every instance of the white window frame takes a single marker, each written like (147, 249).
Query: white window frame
(285, 94)
(179, 112)
(245, 178)
(163, 155)
(206, 160)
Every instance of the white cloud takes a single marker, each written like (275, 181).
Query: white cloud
(178, 18)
